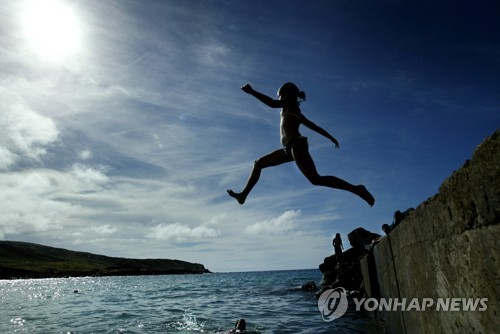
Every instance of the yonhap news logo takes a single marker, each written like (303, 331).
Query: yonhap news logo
(422, 304)
(332, 303)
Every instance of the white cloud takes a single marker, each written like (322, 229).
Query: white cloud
(216, 220)
(89, 176)
(27, 203)
(283, 224)
(212, 54)
(7, 158)
(180, 232)
(104, 229)
(85, 154)
(25, 133)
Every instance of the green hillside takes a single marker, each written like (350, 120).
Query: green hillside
(28, 260)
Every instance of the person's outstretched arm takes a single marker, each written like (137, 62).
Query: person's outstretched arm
(319, 130)
(262, 98)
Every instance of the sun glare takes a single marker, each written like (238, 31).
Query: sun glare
(51, 29)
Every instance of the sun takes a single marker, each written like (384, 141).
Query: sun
(51, 29)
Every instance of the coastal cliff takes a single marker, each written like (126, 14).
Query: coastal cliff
(447, 248)
(28, 260)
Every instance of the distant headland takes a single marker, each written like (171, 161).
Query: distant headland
(28, 260)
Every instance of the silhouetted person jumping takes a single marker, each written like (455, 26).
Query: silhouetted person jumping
(295, 147)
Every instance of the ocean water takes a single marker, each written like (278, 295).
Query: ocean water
(270, 302)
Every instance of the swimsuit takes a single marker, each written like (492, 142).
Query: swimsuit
(289, 146)
(290, 113)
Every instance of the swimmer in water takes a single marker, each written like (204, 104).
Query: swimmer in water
(239, 327)
(295, 147)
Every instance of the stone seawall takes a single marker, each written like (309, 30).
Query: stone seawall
(447, 248)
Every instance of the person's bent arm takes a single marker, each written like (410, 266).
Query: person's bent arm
(262, 98)
(319, 130)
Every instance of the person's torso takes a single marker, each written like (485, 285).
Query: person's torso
(289, 125)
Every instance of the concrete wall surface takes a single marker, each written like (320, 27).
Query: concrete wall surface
(446, 251)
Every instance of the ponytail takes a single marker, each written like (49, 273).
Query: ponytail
(301, 95)
(293, 90)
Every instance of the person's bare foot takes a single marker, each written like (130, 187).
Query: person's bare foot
(238, 196)
(365, 194)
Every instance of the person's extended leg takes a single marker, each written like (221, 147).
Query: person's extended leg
(300, 152)
(275, 158)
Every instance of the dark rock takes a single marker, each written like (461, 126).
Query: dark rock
(397, 219)
(386, 228)
(400, 216)
(360, 237)
(344, 270)
(328, 264)
(309, 286)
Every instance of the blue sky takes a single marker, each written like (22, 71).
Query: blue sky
(123, 122)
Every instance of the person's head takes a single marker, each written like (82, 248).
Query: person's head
(241, 325)
(290, 91)
(337, 235)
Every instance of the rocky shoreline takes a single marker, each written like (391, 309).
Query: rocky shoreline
(344, 270)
